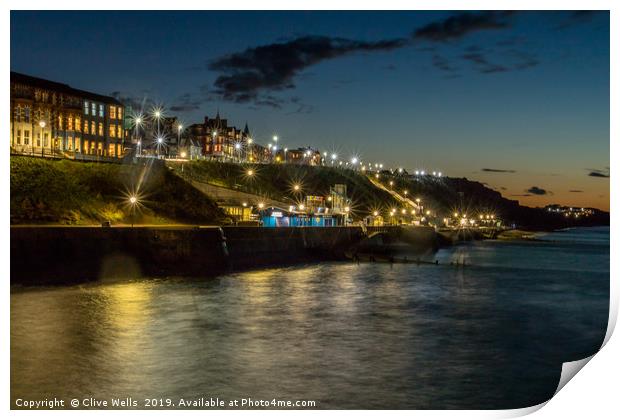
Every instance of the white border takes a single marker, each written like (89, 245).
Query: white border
(593, 394)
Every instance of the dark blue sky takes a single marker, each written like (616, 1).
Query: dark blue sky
(524, 94)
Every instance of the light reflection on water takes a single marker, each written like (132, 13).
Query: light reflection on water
(491, 335)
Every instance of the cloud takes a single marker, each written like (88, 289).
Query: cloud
(575, 191)
(187, 102)
(244, 76)
(442, 64)
(598, 173)
(498, 170)
(483, 65)
(538, 191)
(461, 24)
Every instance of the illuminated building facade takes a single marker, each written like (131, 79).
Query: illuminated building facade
(221, 141)
(51, 119)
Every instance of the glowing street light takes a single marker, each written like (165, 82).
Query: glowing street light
(261, 205)
(250, 172)
(296, 187)
(42, 125)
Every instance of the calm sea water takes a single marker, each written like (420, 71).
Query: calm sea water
(492, 334)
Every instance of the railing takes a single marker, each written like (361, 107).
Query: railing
(34, 151)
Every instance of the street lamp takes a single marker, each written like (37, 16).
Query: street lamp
(42, 125)
(133, 203)
(214, 134)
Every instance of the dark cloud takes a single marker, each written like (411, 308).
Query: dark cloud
(523, 60)
(575, 191)
(244, 76)
(598, 173)
(301, 108)
(498, 170)
(187, 102)
(442, 64)
(503, 188)
(537, 191)
(459, 25)
(482, 64)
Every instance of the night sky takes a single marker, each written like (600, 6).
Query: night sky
(516, 100)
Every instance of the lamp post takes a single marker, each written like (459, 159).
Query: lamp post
(133, 201)
(213, 144)
(157, 115)
(179, 129)
(137, 123)
(42, 125)
(160, 142)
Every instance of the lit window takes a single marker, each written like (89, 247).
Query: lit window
(111, 150)
(60, 122)
(101, 129)
(17, 114)
(112, 112)
(93, 128)
(26, 137)
(86, 108)
(93, 109)
(120, 113)
(101, 110)
(27, 114)
(86, 146)
(119, 132)
(70, 123)
(78, 123)
(118, 150)
(112, 130)
(86, 127)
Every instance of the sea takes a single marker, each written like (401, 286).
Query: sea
(488, 327)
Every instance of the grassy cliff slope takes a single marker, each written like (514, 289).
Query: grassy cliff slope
(68, 192)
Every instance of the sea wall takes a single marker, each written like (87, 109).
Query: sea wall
(60, 255)
(53, 255)
(250, 246)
